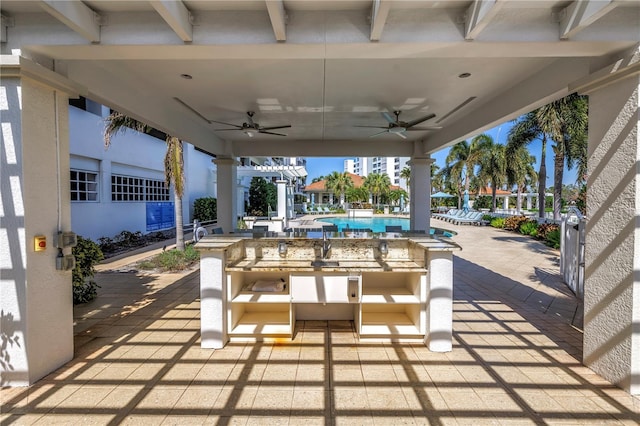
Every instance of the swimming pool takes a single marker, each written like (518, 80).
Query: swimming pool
(376, 224)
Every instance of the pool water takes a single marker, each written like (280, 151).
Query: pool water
(376, 224)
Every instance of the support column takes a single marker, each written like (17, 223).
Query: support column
(420, 202)
(226, 169)
(291, 208)
(281, 186)
(439, 330)
(612, 243)
(529, 202)
(36, 303)
(505, 203)
(213, 324)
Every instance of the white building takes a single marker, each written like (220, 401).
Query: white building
(391, 166)
(122, 188)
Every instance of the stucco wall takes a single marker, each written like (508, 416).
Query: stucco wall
(612, 251)
(37, 324)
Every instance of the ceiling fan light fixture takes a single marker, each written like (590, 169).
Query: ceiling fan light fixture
(397, 129)
(249, 132)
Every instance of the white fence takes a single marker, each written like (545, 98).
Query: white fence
(572, 251)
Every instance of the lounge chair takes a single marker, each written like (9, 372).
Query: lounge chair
(326, 210)
(396, 210)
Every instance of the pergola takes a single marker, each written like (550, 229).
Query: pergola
(327, 68)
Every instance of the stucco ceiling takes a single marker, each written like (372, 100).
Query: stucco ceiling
(326, 76)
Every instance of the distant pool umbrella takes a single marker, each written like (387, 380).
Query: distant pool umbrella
(441, 194)
(465, 201)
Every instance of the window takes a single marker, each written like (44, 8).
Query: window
(84, 185)
(129, 188)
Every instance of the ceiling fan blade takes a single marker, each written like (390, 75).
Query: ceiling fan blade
(419, 120)
(425, 128)
(275, 127)
(222, 130)
(389, 118)
(400, 135)
(271, 133)
(378, 134)
(226, 124)
(374, 127)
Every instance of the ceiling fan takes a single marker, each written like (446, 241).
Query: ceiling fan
(398, 127)
(250, 128)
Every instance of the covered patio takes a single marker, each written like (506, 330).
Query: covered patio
(516, 358)
(331, 71)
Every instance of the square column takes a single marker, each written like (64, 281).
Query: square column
(612, 241)
(226, 169)
(439, 332)
(36, 301)
(420, 193)
(281, 187)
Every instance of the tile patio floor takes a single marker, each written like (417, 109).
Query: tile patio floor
(516, 359)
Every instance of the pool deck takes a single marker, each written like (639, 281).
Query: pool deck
(515, 360)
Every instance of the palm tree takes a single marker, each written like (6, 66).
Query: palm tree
(520, 171)
(117, 122)
(463, 159)
(356, 195)
(493, 167)
(564, 122)
(405, 174)
(338, 183)
(377, 184)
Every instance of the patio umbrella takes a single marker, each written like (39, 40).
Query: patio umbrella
(441, 195)
(465, 201)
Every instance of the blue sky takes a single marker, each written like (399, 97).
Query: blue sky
(322, 166)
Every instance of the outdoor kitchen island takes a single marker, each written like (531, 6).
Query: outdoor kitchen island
(393, 286)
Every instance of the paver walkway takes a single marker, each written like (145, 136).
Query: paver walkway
(517, 346)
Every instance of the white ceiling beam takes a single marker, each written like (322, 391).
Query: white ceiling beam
(177, 16)
(75, 15)
(278, 18)
(379, 13)
(580, 14)
(479, 15)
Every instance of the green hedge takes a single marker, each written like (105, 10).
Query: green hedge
(205, 209)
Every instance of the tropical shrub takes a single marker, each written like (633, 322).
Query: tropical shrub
(552, 238)
(205, 209)
(87, 254)
(497, 222)
(487, 217)
(529, 227)
(512, 223)
(545, 228)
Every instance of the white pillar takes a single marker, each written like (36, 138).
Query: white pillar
(420, 201)
(35, 299)
(439, 330)
(281, 186)
(612, 244)
(505, 202)
(213, 324)
(529, 196)
(291, 207)
(226, 169)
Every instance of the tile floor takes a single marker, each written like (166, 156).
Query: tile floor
(517, 346)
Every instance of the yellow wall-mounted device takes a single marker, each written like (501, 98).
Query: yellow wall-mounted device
(39, 243)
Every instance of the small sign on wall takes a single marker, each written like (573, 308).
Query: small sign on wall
(160, 216)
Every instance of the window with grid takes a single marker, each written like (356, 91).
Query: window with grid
(157, 190)
(84, 185)
(129, 188)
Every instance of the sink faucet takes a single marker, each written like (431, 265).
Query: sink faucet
(326, 245)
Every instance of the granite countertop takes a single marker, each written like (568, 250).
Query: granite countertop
(298, 265)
